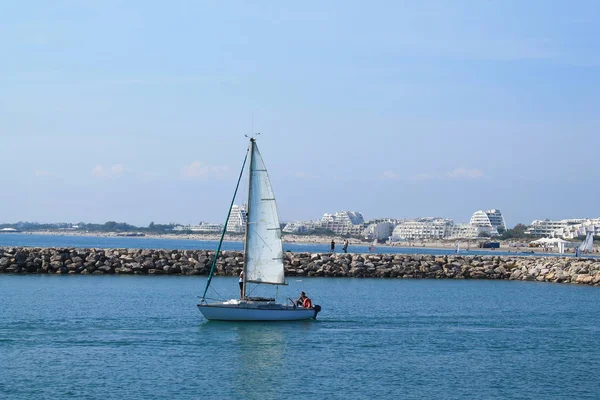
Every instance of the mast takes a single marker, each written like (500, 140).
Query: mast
(250, 169)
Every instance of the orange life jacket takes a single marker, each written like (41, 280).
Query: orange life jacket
(307, 303)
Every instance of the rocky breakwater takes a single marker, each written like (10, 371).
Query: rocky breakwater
(198, 262)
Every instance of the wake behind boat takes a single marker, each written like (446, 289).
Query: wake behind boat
(263, 256)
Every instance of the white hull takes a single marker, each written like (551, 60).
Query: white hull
(254, 311)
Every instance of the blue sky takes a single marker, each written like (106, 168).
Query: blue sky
(136, 111)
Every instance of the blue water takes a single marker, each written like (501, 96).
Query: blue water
(11, 239)
(141, 337)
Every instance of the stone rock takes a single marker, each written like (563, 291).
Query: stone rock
(516, 274)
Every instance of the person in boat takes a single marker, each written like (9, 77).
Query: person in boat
(241, 281)
(304, 301)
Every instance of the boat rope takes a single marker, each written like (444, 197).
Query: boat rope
(214, 262)
(252, 289)
(219, 296)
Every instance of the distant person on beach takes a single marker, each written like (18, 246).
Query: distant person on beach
(345, 248)
(241, 281)
(332, 246)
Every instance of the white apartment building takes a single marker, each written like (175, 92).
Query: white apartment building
(565, 229)
(343, 222)
(201, 228)
(379, 230)
(468, 231)
(491, 218)
(423, 228)
(237, 219)
(299, 227)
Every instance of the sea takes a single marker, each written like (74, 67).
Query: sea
(142, 337)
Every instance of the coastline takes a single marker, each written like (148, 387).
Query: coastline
(510, 247)
(516, 247)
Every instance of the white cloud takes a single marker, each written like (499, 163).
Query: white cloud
(42, 172)
(465, 173)
(420, 177)
(198, 169)
(390, 175)
(393, 176)
(98, 171)
(304, 175)
(116, 170)
(458, 173)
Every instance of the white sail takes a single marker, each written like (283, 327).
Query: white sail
(588, 243)
(264, 253)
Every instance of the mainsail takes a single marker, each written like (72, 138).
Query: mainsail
(588, 243)
(264, 253)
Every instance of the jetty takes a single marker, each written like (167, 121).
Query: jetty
(26, 260)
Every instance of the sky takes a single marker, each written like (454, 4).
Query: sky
(137, 111)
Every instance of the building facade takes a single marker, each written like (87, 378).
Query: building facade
(237, 219)
(343, 223)
(423, 228)
(379, 230)
(201, 228)
(299, 227)
(491, 218)
(468, 231)
(565, 228)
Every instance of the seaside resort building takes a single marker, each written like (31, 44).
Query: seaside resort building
(340, 223)
(202, 227)
(565, 229)
(299, 227)
(482, 223)
(343, 223)
(237, 219)
(491, 218)
(468, 231)
(423, 228)
(379, 230)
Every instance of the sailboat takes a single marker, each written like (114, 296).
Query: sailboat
(263, 255)
(373, 246)
(588, 244)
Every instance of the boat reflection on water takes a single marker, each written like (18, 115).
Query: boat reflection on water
(258, 353)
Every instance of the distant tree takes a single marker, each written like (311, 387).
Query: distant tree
(518, 232)
(110, 226)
